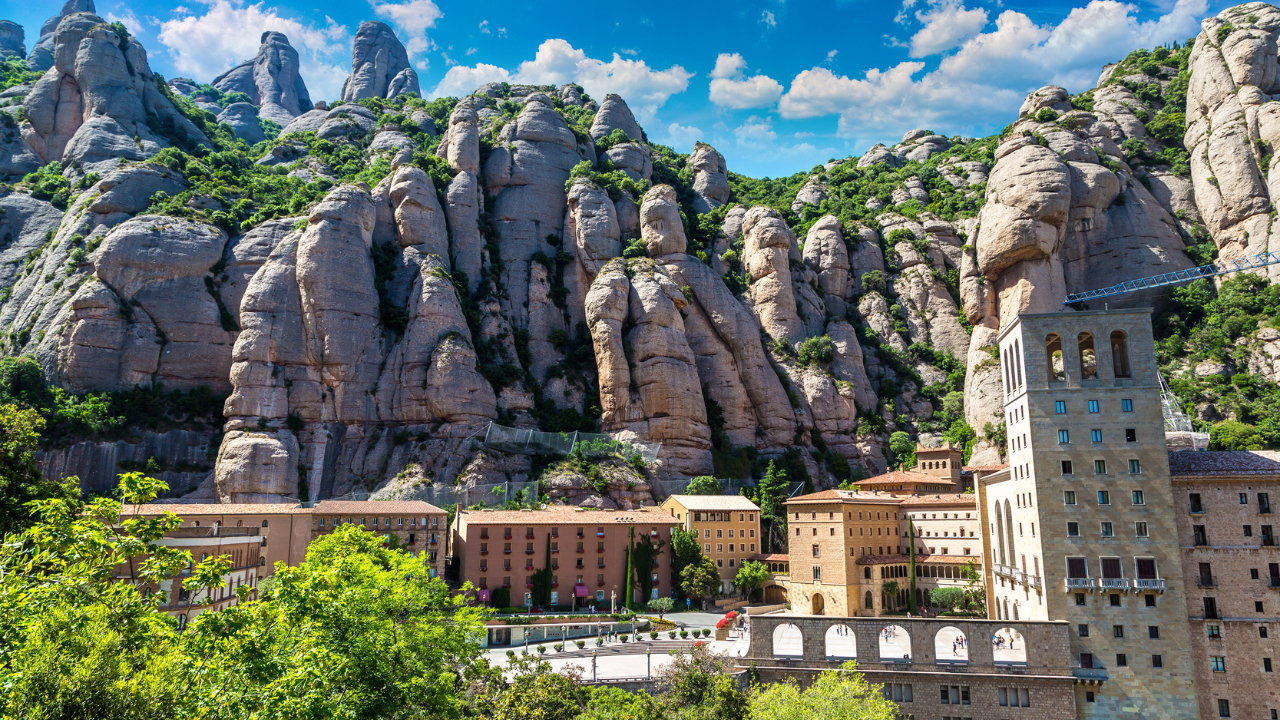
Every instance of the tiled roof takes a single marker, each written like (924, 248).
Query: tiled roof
(773, 557)
(1225, 462)
(569, 515)
(845, 496)
(881, 559)
(966, 499)
(984, 468)
(715, 502)
(375, 507)
(186, 509)
(903, 476)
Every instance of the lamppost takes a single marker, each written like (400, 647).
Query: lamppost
(593, 665)
(613, 602)
(648, 659)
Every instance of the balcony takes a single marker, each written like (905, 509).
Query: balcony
(434, 542)
(555, 584)
(580, 536)
(528, 536)
(1268, 541)
(580, 551)
(600, 550)
(555, 551)
(506, 536)
(484, 552)
(528, 586)
(1274, 582)
(1206, 581)
(1034, 581)
(1115, 583)
(600, 584)
(507, 551)
(600, 534)
(1081, 584)
(529, 552)
(1156, 584)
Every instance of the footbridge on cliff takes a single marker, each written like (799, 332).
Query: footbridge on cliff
(1223, 267)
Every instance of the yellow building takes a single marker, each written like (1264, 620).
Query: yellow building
(728, 529)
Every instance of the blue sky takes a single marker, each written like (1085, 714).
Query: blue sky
(776, 86)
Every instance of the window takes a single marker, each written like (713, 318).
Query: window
(1053, 351)
(1130, 435)
(1264, 503)
(1194, 500)
(1266, 664)
(1060, 406)
(1107, 530)
(1218, 663)
(1086, 660)
(1153, 632)
(1064, 437)
(1140, 529)
(1211, 610)
(898, 692)
(1066, 467)
(1100, 467)
(1214, 632)
(1262, 631)
(1115, 600)
(1082, 630)
(955, 694)
(1014, 697)
(817, 573)
(1138, 498)
(1088, 356)
(1117, 631)
(1151, 600)
(1069, 496)
(1198, 535)
(1157, 661)
(1073, 529)
(1093, 406)
(1224, 708)
(1257, 605)
(1104, 497)
(1080, 599)
(815, 551)
(1126, 405)
(1122, 660)
(1088, 696)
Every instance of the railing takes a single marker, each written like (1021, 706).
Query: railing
(1034, 581)
(1274, 582)
(1115, 583)
(1206, 581)
(1268, 542)
(1081, 584)
(1156, 584)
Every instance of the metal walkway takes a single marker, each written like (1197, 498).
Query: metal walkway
(1180, 276)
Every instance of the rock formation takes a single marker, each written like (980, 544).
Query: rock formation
(42, 53)
(379, 65)
(271, 80)
(90, 109)
(12, 38)
(710, 178)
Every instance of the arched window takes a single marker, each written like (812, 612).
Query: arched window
(866, 573)
(264, 523)
(1120, 353)
(1008, 529)
(867, 602)
(1017, 363)
(1000, 533)
(1053, 351)
(1008, 379)
(1088, 357)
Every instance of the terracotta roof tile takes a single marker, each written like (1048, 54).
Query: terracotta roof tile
(1225, 462)
(966, 499)
(773, 557)
(568, 515)
(858, 496)
(903, 477)
(715, 502)
(375, 507)
(985, 468)
(930, 559)
(184, 509)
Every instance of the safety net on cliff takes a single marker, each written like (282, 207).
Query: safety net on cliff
(536, 442)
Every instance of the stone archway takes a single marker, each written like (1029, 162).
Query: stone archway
(819, 604)
(775, 595)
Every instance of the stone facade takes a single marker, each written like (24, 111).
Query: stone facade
(723, 523)
(588, 551)
(419, 527)
(240, 544)
(1043, 679)
(1224, 508)
(1081, 526)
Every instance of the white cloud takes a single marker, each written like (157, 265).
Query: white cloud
(502, 32)
(557, 62)
(767, 18)
(461, 80)
(484, 27)
(413, 18)
(203, 46)
(756, 132)
(448, 61)
(831, 55)
(947, 24)
(682, 137)
(131, 21)
(471, 51)
(630, 51)
(729, 87)
(986, 79)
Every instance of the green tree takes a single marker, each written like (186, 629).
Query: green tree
(697, 685)
(644, 558)
(704, 485)
(21, 481)
(662, 606)
(534, 692)
(770, 494)
(949, 598)
(1235, 435)
(611, 703)
(842, 694)
(891, 590)
(903, 449)
(685, 551)
(700, 579)
(752, 575)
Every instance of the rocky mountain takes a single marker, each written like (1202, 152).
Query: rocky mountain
(315, 299)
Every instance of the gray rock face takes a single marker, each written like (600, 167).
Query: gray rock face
(12, 38)
(88, 110)
(41, 57)
(271, 80)
(813, 193)
(710, 178)
(243, 119)
(309, 121)
(379, 65)
(632, 159)
(23, 225)
(615, 115)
